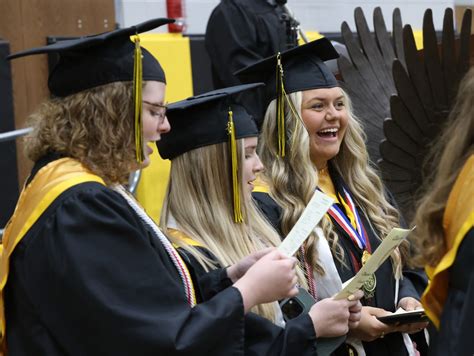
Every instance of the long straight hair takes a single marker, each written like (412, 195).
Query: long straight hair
(199, 199)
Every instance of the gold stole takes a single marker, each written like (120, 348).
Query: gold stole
(179, 235)
(458, 219)
(50, 181)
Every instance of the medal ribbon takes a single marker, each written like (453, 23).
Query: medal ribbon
(358, 234)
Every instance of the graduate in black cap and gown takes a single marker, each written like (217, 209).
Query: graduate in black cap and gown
(311, 140)
(208, 210)
(84, 269)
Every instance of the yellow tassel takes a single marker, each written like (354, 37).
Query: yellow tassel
(234, 166)
(137, 98)
(280, 90)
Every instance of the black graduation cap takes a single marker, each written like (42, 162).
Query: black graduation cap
(208, 119)
(100, 59)
(202, 120)
(303, 69)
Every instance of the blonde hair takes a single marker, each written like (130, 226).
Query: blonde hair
(199, 199)
(450, 154)
(293, 178)
(94, 126)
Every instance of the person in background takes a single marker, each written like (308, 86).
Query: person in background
(311, 140)
(444, 237)
(84, 270)
(241, 32)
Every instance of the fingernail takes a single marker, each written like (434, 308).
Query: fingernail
(351, 297)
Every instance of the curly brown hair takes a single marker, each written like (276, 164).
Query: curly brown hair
(94, 126)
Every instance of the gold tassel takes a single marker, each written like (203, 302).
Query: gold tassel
(280, 90)
(234, 166)
(137, 98)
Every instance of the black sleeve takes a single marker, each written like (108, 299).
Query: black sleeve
(208, 284)
(213, 282)
(103, 285)
(263, 338)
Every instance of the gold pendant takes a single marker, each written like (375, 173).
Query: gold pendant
(371, 282)
(365, 256)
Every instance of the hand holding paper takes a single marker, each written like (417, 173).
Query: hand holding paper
(389, 243)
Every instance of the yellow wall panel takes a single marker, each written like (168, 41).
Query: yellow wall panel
(173, 52)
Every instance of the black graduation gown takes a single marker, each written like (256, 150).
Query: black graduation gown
(391, 344)
(262, 337)
(90, 279)
(242, 32)
(455, 336)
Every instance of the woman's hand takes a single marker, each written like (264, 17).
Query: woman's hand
(409, 304)
(237, 270)
(271, 278)
(369, 328)
(332, 317)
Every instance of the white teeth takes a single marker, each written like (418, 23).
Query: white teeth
(333, 130)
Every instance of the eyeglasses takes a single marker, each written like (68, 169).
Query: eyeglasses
(158, 110)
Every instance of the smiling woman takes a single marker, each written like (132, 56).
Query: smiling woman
(325, 117)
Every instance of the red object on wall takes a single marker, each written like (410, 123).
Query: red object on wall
(175, 10)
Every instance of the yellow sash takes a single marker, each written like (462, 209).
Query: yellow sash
(178, 234)
(458, 219)
(50, 181)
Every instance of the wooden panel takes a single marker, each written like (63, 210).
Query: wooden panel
(459, 13)
(26, 24)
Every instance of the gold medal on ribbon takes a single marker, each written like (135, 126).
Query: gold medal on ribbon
(371, 282)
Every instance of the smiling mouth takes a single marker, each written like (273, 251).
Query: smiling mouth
(328, 132)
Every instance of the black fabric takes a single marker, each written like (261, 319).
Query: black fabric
(303, 69)
(455, 335)
(262, 337)
(202, 120)
(241, 32)
(90, 279)
(8, 163)
(91, 61)
(391, 344)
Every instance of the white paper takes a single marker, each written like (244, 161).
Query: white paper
(389, 243)
(309, 219)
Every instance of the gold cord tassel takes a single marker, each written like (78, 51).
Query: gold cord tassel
(137, 99)
(280, 90)
(234, 166)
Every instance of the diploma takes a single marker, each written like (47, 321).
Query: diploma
(389, 243)
(312, 214)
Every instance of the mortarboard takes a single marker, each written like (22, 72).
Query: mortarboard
(208, 119)
(91, 61)
(297, 69)
(303, 69)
